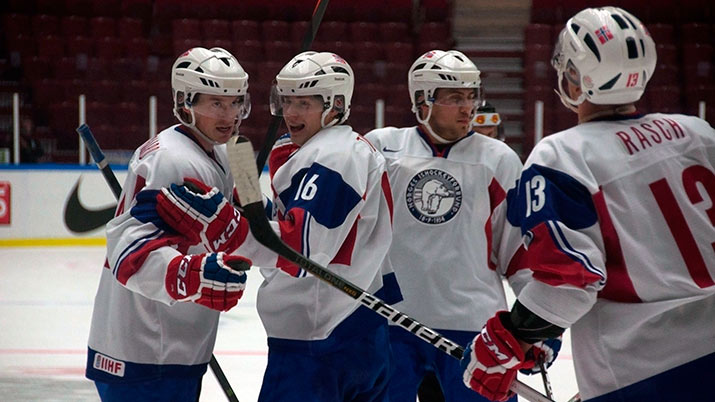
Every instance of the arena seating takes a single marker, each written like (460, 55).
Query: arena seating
(119, 52)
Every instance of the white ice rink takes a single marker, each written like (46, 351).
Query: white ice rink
(46, 297)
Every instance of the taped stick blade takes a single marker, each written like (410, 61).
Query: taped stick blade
(243, 169)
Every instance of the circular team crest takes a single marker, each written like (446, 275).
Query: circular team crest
(433, 196)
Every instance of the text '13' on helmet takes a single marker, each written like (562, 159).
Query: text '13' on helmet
(207, 71)
(440, 69)
(608, 53)
(321, 74)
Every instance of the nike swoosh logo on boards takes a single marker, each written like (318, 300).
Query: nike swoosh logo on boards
(385, 149)
(79, 219)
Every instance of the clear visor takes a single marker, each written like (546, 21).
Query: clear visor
(282, 105)
(223, 107)
(456, 99)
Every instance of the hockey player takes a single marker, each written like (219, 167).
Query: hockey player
(157, 308)
(488, 122)
(333, 204)
(618, 220)
(448, 184)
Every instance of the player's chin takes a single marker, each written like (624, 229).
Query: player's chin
(224, 133)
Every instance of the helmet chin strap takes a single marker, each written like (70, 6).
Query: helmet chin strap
(425, 122)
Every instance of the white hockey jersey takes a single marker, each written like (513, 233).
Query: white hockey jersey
(618, 219)
(333, 205)
(447, 249)
(138, 331)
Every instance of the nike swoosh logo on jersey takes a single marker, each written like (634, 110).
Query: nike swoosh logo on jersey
(80, 219)
(385, 149)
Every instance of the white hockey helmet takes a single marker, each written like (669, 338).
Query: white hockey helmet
(321, 74)
(212, 71)
(440, 69)
(608, 53)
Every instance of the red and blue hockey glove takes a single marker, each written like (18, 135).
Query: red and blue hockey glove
(546, 351)
(215, 280)
(203, 215)
(492, 359)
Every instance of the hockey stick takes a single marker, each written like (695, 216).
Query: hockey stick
(275, 122)
(240, 158)
(98, 156)
(545, 378)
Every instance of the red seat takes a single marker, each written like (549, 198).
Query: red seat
(83, 8)
(248, 51)
(395, 73)
(273, 30)
(342, 49)
(182, 45)
(216, 29)
(222, 43)
(398, 95)
(662, 33)
(22, 45)
(16, 24)
(664, 99)
(67, 68)
(266, 73)
(394, 31)
(102, 27)
(434, 32)
(664, 74)
(399, 52)
(63, 117)
(135, 91)
(36, 68)
(47, 91)
(364, 73)
(74, 25)
(667, 53)
(332, 31)
(43, 24)
(138, 48)
(80, 45)
(399, 117)
(298, 30)
(141, 9)
(104, 8)
(693, 33)
(126, 69)
(186, 28)
(102, 91)
(540, 34)
(437, 10)
(363, 31)
(242, 30)
(50, 46)
(696, 94)
(368, 52)
(129, 28)
(279, 51)
(362, 118)
(109, 47)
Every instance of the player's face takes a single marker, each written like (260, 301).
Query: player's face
(217, 116)
(302, 116)
(452, 112)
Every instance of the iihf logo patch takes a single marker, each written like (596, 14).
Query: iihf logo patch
(433, 196)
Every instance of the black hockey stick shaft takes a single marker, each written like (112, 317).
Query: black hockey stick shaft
(275, 122)
(240, 158)
(98, 156)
